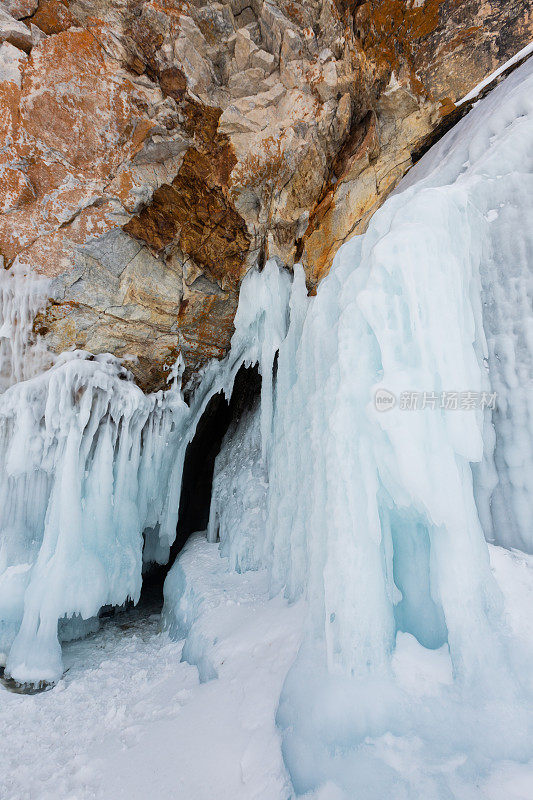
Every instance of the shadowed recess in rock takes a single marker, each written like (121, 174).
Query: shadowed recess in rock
(198, 469)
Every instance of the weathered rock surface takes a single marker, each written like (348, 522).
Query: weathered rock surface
(153, 150)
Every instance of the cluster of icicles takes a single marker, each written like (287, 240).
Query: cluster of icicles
(90, 475)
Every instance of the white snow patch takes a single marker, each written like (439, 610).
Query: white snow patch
(525, 51)
(129, 720)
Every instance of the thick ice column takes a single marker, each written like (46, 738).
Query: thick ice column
(489, 155)
(408, 309)
(261, 325)
(507, 297)
(285, 529)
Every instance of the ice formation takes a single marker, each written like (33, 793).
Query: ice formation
(89, 464)
(238, 498)
(83, 456)
(436, 289)
(22, 296)
(377, 518)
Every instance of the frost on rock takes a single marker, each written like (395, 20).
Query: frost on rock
(22, 296)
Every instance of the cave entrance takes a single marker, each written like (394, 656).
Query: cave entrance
(198, 469)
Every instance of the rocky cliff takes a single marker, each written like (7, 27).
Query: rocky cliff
(153, 151)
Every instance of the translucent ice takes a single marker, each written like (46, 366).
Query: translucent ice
(22, 296)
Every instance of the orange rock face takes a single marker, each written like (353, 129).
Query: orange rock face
(419, 59)
(76, 102)
(196, 212)
(53, 16)
(154, 150)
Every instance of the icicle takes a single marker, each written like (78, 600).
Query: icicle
(260, 327)
(176, 373)
(22, 296)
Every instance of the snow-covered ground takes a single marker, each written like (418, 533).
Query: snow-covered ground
(130, 720)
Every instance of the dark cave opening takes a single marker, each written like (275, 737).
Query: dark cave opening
(198, 469)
